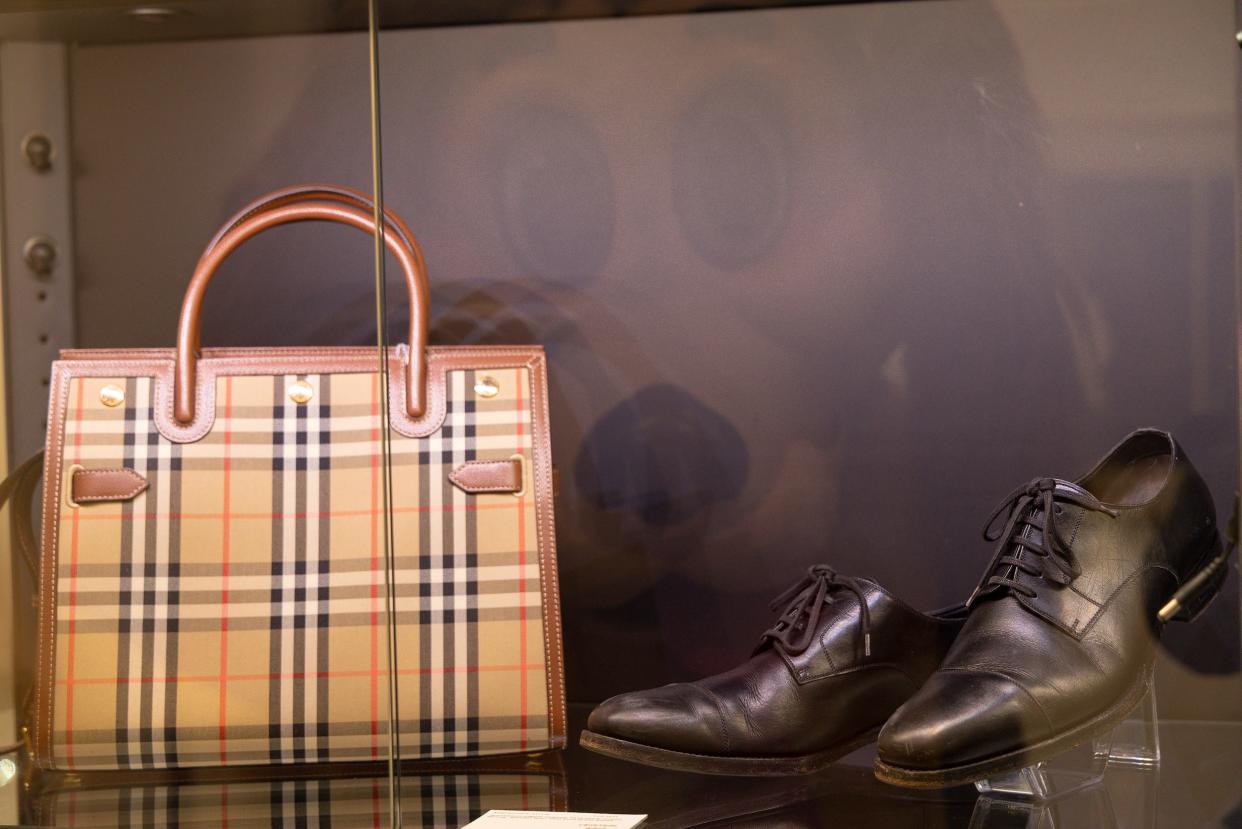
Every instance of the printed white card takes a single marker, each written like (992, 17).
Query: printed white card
(507, 819)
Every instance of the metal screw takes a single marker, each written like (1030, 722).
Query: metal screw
(40, 255)
(39, 151)
(486, 387)
(112, 396)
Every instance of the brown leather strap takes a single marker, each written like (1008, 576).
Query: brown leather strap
(95, 485)
(488, 476)
(19, 488)
(320, 192)
(188, 326)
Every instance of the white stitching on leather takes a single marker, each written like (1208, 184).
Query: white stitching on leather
(118, 496)
(468, 487)
(537, 377)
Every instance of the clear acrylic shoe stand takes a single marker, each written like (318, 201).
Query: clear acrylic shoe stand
(1133, 743)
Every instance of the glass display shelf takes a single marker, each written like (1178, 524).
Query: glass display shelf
(1195, 785)
(1135, 742)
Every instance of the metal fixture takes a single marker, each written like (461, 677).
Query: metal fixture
(69, 474)
(486, 387)
(40, 255)
(301, 392)
(39, 152)
(112, 396)
(521, 462)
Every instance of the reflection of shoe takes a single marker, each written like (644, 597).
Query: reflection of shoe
(1060, 641)
(841, 795)
(843, 655)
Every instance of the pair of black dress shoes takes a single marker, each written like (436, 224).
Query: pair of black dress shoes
(1055, 645)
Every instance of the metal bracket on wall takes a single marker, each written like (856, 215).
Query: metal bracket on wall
(37, 219)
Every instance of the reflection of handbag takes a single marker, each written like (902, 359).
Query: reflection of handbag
(211, 585)
(430, 797)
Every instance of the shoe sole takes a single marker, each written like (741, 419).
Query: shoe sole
(665, 758)
(1051, 747)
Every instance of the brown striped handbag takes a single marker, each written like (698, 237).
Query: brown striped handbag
(211, 581)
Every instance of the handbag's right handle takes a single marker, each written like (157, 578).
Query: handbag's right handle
(188, 325)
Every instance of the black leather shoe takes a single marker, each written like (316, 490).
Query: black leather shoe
(1060, 641)
(843, 655)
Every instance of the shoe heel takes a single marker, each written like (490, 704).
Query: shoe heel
(1198, 591)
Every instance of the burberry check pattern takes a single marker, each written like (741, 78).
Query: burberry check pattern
(430, 801)
(233, 613)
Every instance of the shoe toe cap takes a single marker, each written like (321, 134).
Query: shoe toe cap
(961, 717)
(680, 717)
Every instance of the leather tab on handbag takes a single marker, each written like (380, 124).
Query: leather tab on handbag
(488, 476)
(97, 485)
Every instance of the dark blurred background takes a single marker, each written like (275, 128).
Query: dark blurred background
(816, 284)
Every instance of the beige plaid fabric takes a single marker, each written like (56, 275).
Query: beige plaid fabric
(233, 613)
(431, 801)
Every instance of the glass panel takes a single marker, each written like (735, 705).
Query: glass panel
(791, 296)
(219, 578)
(822, 286)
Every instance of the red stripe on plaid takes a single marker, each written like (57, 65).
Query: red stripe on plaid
(224, 578)
(284, 516)
(521, 533)
(282, 677)
(73, 583)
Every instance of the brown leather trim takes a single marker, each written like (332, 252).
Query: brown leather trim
(540, 762)
(157, 363)
(318, 191)
(220, 362)
(106, 485)
(45, 671)
(489, 476)
(554, 651)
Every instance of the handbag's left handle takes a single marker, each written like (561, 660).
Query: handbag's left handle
(188, 325)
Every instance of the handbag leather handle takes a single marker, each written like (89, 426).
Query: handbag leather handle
(188, 325)
(319, 192)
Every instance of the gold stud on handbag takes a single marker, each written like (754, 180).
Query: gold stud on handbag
(211, 579)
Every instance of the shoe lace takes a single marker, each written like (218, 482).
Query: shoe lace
(802, 604)
(1034, 506)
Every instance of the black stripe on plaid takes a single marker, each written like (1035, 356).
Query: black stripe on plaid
(323, 570)
(467, 617)
(300, 574)
(275, 716)
(126, 581)
(425, 477)
(170, 575)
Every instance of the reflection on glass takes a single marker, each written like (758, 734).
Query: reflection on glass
(428, 800)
